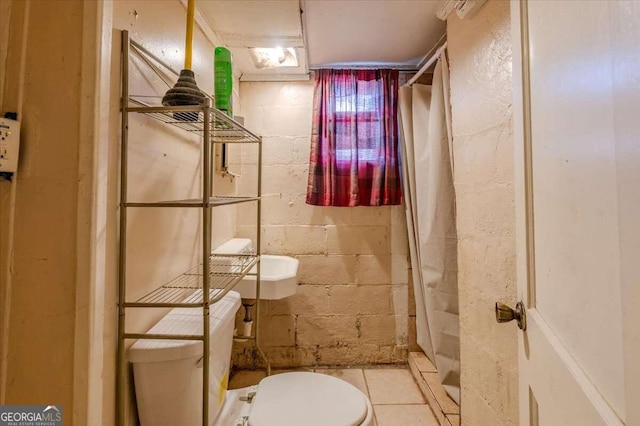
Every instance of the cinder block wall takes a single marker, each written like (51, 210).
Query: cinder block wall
(352, 306)
(481, 81)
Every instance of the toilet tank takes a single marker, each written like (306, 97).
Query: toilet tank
(168, 373)
(235, 246)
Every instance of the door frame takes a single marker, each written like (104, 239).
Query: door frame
(93, 387)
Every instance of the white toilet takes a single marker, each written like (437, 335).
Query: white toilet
(168, 373)
(168, 379)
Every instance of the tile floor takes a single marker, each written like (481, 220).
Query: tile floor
(396, 398)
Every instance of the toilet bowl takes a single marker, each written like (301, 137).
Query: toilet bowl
(295, 399)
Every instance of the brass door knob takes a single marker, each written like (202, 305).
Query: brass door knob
(504, 313)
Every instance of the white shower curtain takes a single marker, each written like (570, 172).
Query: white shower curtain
(430, 206)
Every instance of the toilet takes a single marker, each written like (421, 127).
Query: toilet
(168, 373)
(168, 378)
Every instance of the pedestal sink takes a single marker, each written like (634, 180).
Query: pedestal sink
(278, 278)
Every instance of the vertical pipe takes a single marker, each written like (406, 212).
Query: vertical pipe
(259, 250)
(212, 153)
(206, 254)
(121, 369)
(188, 43)
(259, 194)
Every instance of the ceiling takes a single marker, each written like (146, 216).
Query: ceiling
(325, 33)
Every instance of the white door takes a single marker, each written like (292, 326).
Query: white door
(577, 138)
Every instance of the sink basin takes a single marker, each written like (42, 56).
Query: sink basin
(278, 278)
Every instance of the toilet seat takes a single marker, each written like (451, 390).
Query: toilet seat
(310, 399)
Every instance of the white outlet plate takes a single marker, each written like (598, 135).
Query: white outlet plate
(9, 145)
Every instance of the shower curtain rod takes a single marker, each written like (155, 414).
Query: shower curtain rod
(426, 66)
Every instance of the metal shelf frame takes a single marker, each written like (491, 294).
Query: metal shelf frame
(196, 202)
(217, 274)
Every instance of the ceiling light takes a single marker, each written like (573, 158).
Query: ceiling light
(273, 57)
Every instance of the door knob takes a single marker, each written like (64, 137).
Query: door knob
(504, 313)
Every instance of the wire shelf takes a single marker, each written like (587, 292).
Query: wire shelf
(191, 119)
(195, 202)
(186, 290)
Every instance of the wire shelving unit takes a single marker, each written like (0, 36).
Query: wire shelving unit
(216, 274)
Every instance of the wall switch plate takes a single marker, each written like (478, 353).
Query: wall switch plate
(9, 145)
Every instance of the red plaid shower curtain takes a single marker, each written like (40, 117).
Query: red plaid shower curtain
(354, 139)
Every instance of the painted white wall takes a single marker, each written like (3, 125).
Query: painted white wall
(7, 199)
(39, 220)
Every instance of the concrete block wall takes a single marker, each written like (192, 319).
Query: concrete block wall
(481, 81)
(352, 305)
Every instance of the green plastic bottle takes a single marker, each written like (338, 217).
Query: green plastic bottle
(223, 76)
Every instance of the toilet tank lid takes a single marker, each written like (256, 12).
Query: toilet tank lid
(310, 399)
(184, 321)
(234, 246)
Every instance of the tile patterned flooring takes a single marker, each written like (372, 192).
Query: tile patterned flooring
(397, 400)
